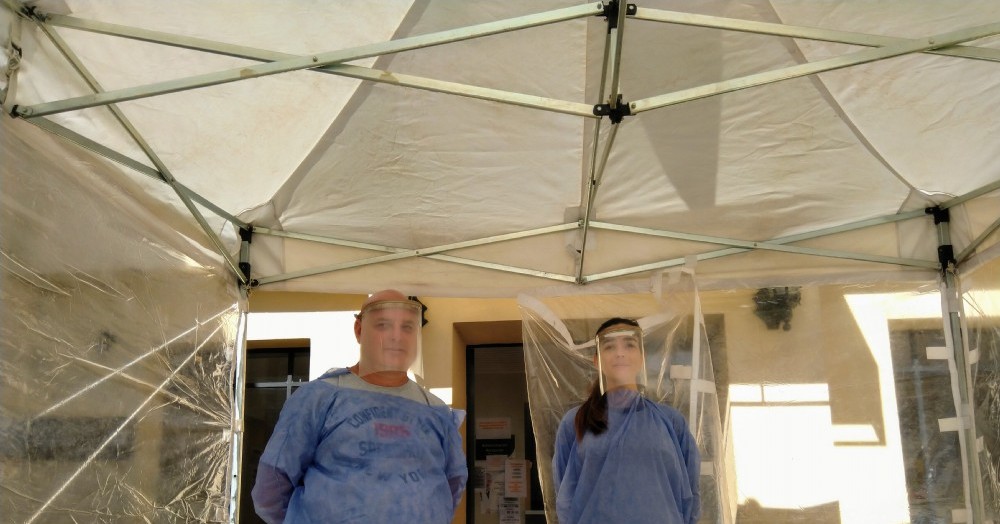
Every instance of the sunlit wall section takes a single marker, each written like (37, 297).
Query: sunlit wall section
(981, 307)
(838, 404)
(116, 349)
(330, 333)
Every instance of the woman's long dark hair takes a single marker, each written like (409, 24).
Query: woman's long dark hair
(593, 413)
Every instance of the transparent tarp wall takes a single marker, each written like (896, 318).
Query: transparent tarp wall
(981, 306)
(559, 346)
(847, 416)
(116, 347)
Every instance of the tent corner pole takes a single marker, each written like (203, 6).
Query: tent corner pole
(239, 395)
(952, 311)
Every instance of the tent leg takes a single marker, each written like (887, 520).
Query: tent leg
(239, 393)
(958, 342)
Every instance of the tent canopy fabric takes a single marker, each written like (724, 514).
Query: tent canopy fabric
(472, 149)
(456, 195)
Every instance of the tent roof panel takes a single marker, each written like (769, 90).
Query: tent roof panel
(397, 168)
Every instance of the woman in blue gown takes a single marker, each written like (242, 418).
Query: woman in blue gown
(620, 457)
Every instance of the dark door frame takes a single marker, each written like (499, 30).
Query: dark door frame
(470, 421)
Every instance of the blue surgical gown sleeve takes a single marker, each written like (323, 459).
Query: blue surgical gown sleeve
(563, 476)
(457, 468)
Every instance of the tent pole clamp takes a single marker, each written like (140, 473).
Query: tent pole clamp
(611, 13)
(246, 236)
(616, 113)
(31, 12)
(946, 251)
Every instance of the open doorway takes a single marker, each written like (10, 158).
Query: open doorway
(273, 373)
(500, 441)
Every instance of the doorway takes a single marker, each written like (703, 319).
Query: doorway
(500, 436)
(272, 375)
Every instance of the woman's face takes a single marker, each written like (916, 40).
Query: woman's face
(620, 354)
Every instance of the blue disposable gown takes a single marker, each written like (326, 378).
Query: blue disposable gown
(643, 469)
(346, 455)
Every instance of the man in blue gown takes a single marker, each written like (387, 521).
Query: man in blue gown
(366, 444)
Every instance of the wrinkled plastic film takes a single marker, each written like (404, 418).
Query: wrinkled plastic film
(838, 402)
(981, 307)
(116, 349)
(559, 344)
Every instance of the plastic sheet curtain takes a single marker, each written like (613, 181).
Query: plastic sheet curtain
(981, 306)
(116, 350)
(838, 403)
(559, 346)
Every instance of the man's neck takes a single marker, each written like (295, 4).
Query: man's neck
(387, 379)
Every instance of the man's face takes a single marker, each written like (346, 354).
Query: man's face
(389, 338)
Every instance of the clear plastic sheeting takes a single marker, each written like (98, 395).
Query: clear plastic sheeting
(981, 305)
(116, 349)
(560, 345)
(837, 403)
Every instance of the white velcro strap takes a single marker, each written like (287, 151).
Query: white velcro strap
(938, 353)
(703, 386)
(952, 424)
(680, 372)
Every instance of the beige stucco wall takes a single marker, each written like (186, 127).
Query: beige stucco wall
(838, 345)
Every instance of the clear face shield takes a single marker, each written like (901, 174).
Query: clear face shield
(390, 336)
(621, 359)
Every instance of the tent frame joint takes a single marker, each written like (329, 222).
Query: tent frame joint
(945, 250)
(31, 12)
(940, 214)
(946, 256)
(611, 13)
(246, 237)
(615, 112)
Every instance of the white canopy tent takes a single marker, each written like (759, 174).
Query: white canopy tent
(484, 149)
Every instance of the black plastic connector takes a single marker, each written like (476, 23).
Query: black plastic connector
(32, 12)
(423, 310)
(246, 234)
(946, 256)
(615, 114)
(611, 13)
(946, 252)
(940, 215)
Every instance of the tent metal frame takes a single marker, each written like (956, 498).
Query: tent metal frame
(947, 44)
(332, 62)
